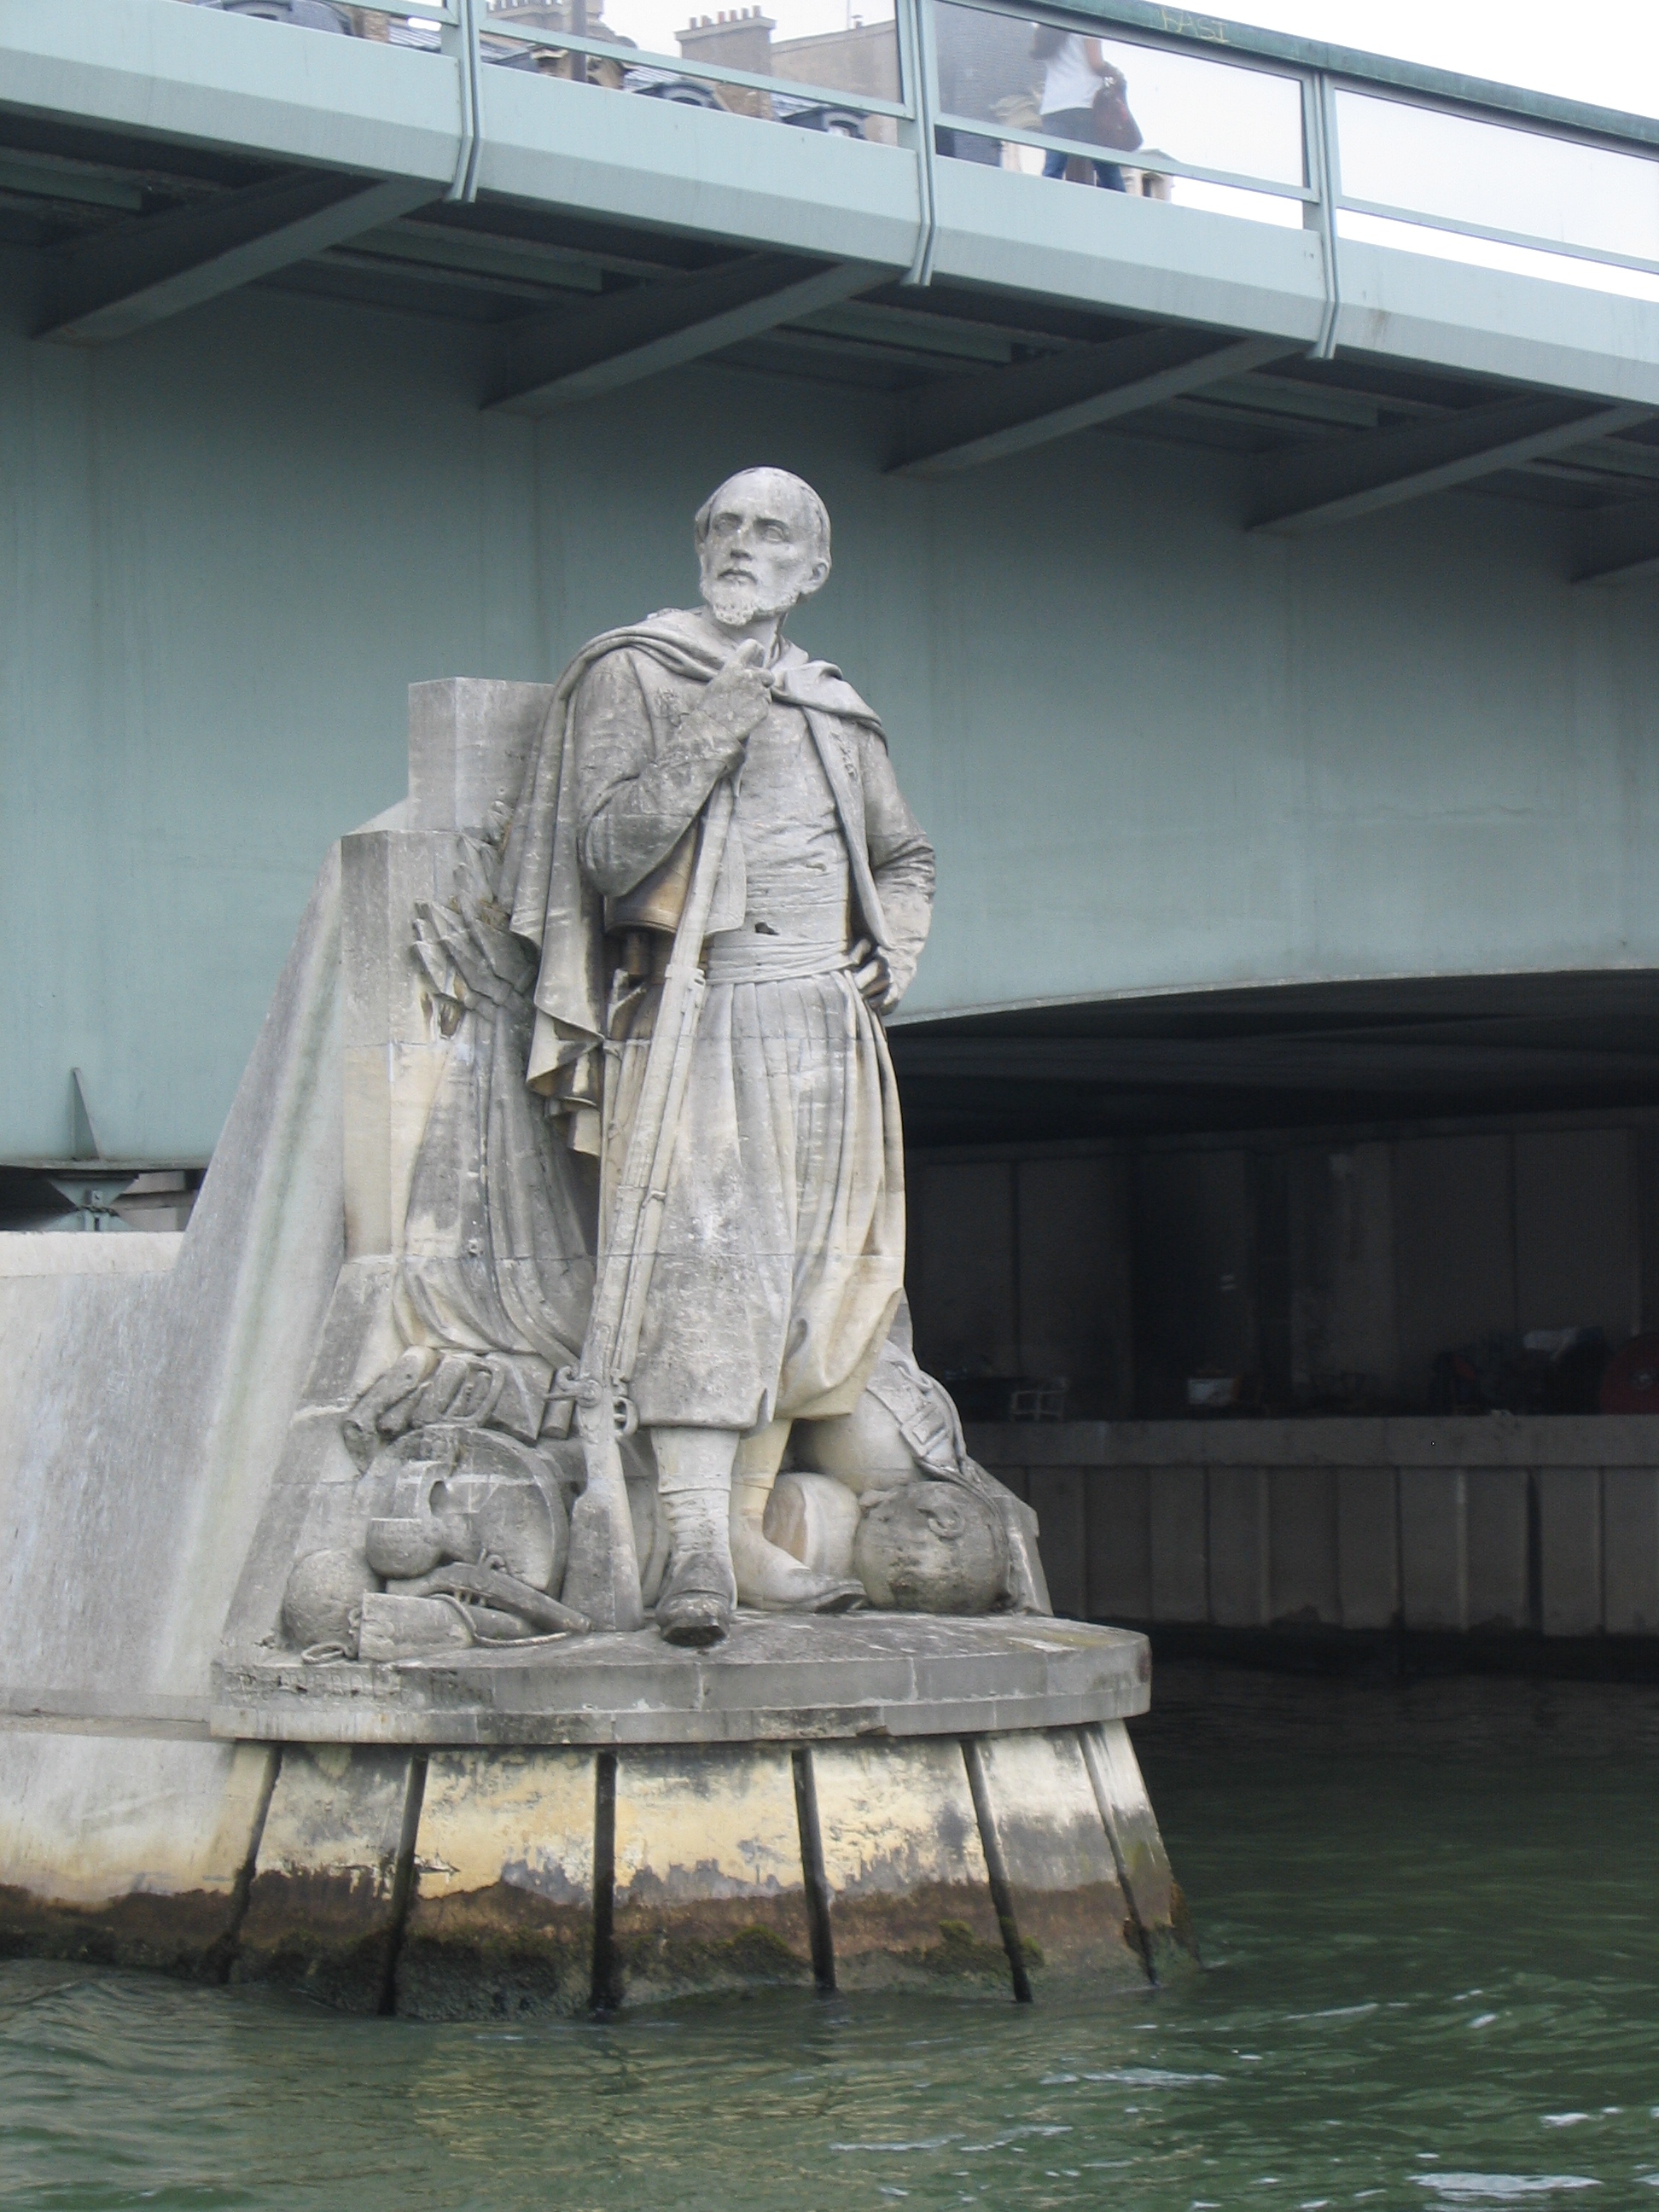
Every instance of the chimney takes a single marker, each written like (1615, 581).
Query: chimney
(738, 37)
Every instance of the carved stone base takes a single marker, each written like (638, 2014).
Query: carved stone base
(555, 1879)
(874, 1802)
(775, 1679)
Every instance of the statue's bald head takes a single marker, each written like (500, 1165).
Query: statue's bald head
(762, 543)
(774, 486)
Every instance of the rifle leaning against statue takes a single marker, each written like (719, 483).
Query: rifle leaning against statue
(603, 1579)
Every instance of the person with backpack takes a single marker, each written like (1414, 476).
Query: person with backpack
(1082, 97)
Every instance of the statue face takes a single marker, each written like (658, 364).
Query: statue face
(762, 551)
(929, 1547)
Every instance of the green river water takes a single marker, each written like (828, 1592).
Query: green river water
(1431, 1946)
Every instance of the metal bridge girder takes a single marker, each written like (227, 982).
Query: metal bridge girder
(120, 280)
(965, 421)
(1339, 479)
(560, 355)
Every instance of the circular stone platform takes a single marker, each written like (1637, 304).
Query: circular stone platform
(773, 1681)
(883, 1801)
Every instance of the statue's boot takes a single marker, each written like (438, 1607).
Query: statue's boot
(768, 1577)
(694, 1606)
(694, 1480)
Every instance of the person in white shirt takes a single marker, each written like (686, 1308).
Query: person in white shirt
(1074, 69)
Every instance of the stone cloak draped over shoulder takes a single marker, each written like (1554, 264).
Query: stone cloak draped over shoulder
(553, 907)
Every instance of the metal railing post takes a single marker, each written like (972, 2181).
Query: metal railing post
(459, 39)
(1324, 162)
(919, 62)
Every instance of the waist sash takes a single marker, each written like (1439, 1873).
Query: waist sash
(746, 957)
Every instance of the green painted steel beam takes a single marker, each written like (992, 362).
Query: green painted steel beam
(1525, 331)
(124, 280)
(195, 76)
(191, 76)
(1339, 479)
(1621, 545)
(558, 357)
(970, 420)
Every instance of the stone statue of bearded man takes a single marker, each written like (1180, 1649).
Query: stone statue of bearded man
(780, 1259)
(771, 1317)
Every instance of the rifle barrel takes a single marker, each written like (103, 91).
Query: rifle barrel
(630, 1247)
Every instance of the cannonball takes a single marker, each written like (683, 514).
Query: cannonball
(322, 1591)
(930, 1547)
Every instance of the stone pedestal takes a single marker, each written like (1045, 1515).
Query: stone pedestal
(883, 1801)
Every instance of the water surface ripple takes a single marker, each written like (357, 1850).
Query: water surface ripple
(1432, 1981)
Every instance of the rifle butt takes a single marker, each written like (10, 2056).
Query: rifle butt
(601, 1579)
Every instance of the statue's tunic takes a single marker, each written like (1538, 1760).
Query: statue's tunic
(782, 1255)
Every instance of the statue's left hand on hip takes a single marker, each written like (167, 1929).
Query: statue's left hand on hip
(874, 977)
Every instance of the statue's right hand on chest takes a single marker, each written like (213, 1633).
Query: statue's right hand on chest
(736, 702)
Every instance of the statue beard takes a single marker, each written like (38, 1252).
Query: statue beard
(735, 605)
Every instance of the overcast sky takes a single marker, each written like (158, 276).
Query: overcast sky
(1604, 51)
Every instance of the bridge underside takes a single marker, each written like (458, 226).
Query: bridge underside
(155, 157)
(1298, 1055)
(1408, 1197)
(122, 233)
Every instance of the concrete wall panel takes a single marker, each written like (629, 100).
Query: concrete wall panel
(1569, 1549)
(1073, 1281)
(1368, 1546)
(1453, 1248)
(1194, 1272)
(1433, 1548)
(960, 1267)
(1343, 1321)
(1068, 1905)
(1304, 1579)
(322, 1910)
(709, 1894)
(1575, 1220)
(1121, 1792)
(126, 1847)
(909, 1891)
(1496, 1504)
(502, 1915)
(1119, 1543)
(1630, 1536)
(1056, 1495)
(1238, 1538)
(1179, 1544)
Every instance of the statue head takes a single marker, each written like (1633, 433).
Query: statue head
(931, 1547)
(762, 544)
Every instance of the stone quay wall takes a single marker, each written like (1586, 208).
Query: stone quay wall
(1495, 1525)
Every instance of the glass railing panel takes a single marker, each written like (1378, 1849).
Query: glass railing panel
(1211, 134)
(1440, 171)
(745, 60)
(1476, 251)
(411, 23)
